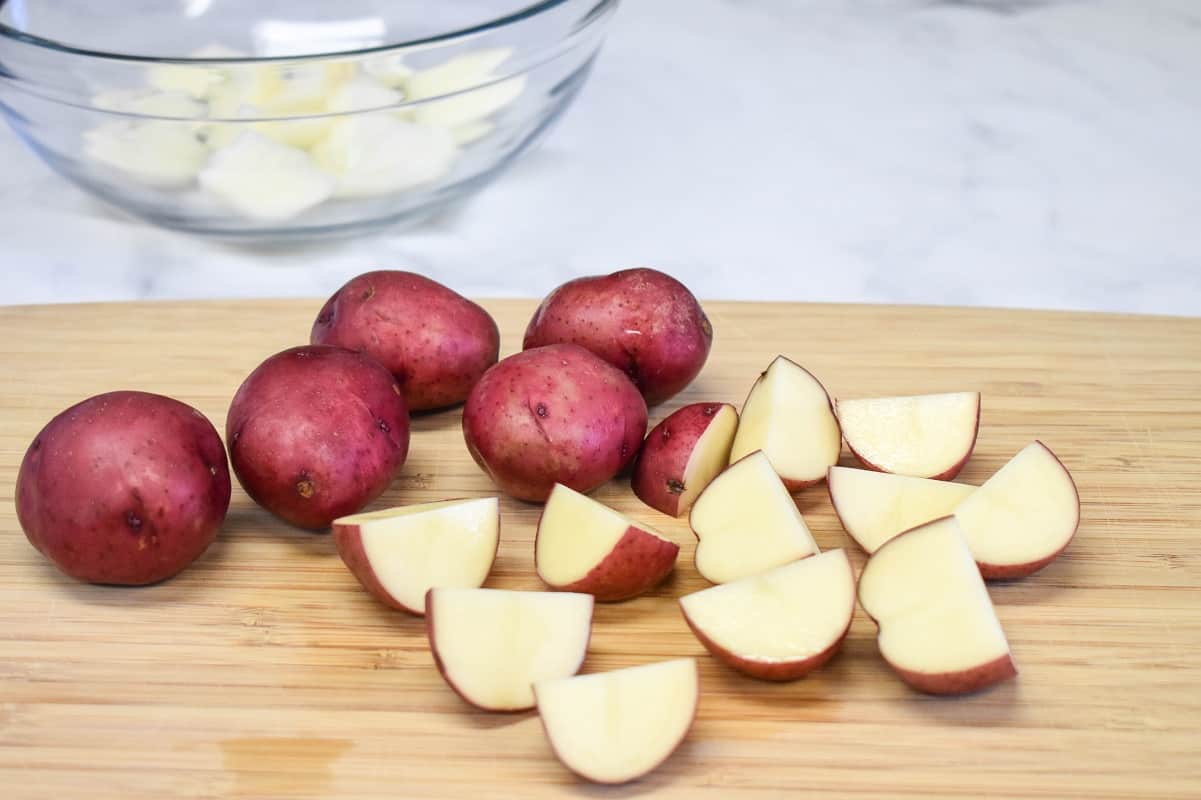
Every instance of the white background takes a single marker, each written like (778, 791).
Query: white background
(982, 152)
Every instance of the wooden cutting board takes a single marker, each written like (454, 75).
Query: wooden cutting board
(264, 671)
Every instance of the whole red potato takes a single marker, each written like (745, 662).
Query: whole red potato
(316, 433)
(554, 414)
(645, 323)
(434, 341)
(124, 488)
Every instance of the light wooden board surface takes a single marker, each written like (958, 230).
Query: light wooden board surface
(265, 671)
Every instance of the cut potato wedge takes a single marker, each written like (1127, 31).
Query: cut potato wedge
(873, 506)
(747, 522)
(614, 727)
(493, 645)
(584, 546)
(399, 554)
(926, 436)
(788, 415)
(937, 626)
(781, 624)
(1023, 517)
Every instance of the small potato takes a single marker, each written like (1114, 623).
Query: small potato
(316, 433)
(554, 414)
(436, 342)
(682, 454)
(641, 321)
(124, 488)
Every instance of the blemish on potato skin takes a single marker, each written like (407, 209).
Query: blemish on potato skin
(304, 487)
(133, 521)
(674, 486)
(709, 411)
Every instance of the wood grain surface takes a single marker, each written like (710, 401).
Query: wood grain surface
(265, 671)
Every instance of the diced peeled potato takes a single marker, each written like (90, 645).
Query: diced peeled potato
(297, 88)
(160, 154)
(361, 94)
(230, 102)
(256, 156)
(389, 70)
(301, 133)
(472, 132)
(455, 77)
(195, 79)
(467, 107)
(150, 103)
(264, 179)
(456, 74)
(309, 91)
(227, 104)
(378, 154)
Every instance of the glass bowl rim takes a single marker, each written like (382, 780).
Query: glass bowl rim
(513, 18)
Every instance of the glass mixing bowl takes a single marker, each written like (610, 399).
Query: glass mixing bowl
(289, 117)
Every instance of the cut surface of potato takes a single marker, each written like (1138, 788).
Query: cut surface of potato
(747, 522)
(925, 436)
(789, 417)
(492, 645)
(613, 727)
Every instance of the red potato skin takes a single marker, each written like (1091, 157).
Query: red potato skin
(946, 475)
(434, 341)
(124, 488)
(779, 671)
(645, 323)
(637, 563)
(316, 433)
(966, 682)
(1009, 572)
(658, 477)
(554, 414)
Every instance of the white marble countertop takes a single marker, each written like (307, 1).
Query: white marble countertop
(1033, 153)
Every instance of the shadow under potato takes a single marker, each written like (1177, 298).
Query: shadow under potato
(440, 419)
